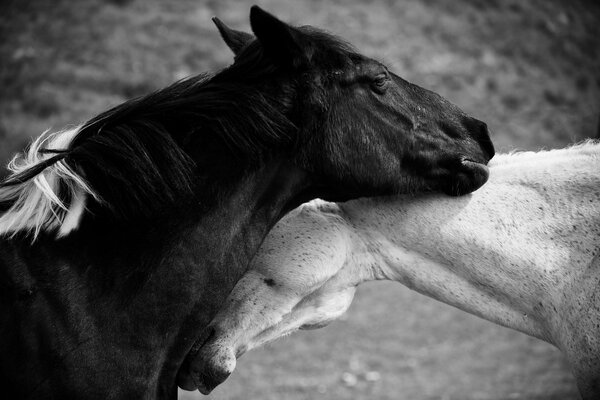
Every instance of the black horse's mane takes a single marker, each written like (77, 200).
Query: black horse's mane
(134, 156)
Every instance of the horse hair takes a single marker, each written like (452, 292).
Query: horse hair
(133, 160)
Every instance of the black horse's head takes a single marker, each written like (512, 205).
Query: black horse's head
(361, 129)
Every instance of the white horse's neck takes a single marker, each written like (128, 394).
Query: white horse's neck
(503, 252)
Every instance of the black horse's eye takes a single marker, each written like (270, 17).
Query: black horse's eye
(380, 82)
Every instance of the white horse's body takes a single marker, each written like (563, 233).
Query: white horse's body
(523, 251)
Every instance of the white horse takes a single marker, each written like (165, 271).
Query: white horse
(523, 251)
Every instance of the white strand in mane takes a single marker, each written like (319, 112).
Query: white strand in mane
(35, 203)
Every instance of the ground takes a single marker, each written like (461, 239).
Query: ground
(531, 70)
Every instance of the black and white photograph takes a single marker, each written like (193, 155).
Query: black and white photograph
(300, 200)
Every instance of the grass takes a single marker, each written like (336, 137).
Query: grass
(531, 70)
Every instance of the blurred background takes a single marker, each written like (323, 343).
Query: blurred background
(530, 69)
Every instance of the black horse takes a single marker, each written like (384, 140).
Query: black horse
(121, 239)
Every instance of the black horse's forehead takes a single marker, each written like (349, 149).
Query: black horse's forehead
(366, 65)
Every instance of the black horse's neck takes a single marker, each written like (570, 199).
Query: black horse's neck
(196, 257)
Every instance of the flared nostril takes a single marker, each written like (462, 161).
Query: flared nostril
(214, 368)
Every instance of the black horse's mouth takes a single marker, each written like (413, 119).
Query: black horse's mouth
(468, 176)
(469, 163)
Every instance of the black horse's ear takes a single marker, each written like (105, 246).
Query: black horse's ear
(279, 40)
(235, 40)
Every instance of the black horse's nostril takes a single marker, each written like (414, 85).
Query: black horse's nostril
(481, 134)
(486, 142)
